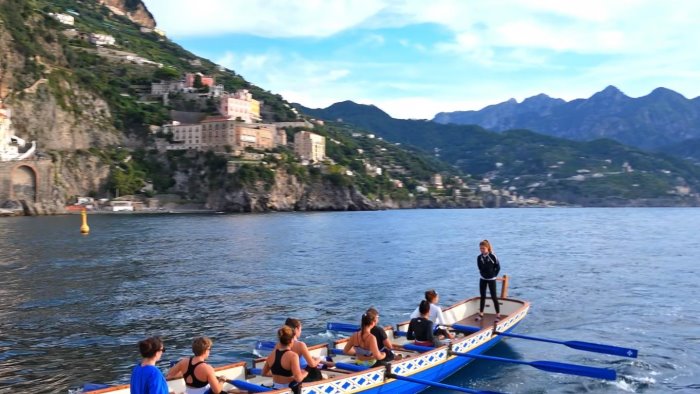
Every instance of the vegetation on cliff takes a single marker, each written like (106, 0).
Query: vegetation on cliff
(97, 90)
(598, 172)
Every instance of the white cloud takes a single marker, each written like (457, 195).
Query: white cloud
(254, 61)
(421, 107)
(266, 18)
(227, 60)
(487, 53)
(597, 26)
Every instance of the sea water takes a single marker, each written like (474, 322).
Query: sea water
(73, 307)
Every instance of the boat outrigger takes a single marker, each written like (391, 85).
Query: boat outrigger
(418, 367)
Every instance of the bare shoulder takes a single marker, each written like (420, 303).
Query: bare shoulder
(290, 357)
(299, 346)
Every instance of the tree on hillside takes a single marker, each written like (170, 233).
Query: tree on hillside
(126, 179)
(197, 82)
(166, 74)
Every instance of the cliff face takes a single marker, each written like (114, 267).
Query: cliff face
(52, 183)
(136, 11)
(6, 68)
(288, 194)
(82, 104)
(38, 116)
(77, 174)
(46, 106)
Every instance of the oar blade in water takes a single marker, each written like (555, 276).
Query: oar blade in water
(578, 345)
(344, 327)
(573, 369)
(550, 366)
(264, 345)
(601, 348)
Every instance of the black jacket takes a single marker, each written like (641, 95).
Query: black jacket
(421, 329)
(488, 266)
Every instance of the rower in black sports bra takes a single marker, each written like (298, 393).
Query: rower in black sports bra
(277, 368)
(196, 383)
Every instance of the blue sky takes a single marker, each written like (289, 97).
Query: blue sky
(416, 58)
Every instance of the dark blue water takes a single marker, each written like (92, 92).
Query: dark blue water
(74, 306)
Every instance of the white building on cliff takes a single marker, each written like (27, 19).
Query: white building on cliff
(10, 144)
(310, 146)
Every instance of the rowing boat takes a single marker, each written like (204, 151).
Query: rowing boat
(433, 365)
(348, 377)
(418, 367)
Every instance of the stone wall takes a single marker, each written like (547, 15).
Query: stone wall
(28, 182)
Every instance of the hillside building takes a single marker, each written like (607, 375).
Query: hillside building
(310, 146)
(240, 104)
(221, 134)
(63, 18)
(436, 181)
(10, 144)
(8, 151)
(165, 87)
(255, 135)
(206, 81)
(184, 136)
(218, 133)
(101, 39)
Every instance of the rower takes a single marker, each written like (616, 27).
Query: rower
(420, 329)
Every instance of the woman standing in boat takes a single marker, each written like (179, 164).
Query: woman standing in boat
(363, 345)
(306, 361)
(489, 267)
(283, 364)
(145, 377)
(199, 376)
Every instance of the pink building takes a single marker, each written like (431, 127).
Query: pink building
(240, 105)
(206, 81)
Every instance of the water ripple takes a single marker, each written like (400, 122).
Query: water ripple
(597, 275)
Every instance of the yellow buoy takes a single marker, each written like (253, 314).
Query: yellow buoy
(84, 228)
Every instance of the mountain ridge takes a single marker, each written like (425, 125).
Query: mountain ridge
(662, 117)
(601, 172)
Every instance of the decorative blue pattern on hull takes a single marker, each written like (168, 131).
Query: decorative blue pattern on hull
(436, 374)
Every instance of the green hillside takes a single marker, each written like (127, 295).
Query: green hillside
(599, 172)
(43, 48)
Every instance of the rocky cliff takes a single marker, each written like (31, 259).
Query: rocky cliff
(50, 107)
(84, 106)
(135, 10)
(289, 194)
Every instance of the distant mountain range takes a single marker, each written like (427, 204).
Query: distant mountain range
(661, 118)
(600, 172)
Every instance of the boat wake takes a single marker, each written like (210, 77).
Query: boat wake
(633, 384)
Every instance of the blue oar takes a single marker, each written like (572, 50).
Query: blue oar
(250, 387)
(93, 387)
(255, 371)
(343, 327)
(264, 345)
(550, 366)
(347, 327)
(437, 384)
(579, 345)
